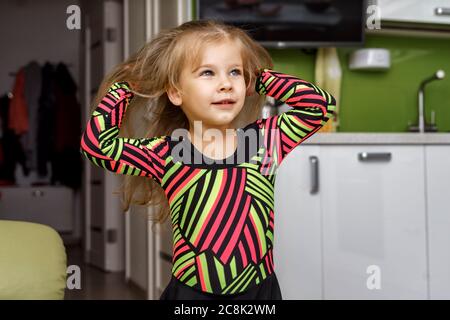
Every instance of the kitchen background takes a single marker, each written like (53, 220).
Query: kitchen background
(369, 194)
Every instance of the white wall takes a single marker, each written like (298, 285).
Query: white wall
(36, 30)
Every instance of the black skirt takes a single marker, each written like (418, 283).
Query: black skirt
(268, 289)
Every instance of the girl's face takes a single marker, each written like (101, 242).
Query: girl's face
(220, 76)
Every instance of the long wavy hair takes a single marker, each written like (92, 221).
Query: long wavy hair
(155, 68)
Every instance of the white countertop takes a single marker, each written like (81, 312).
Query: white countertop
(379, 138)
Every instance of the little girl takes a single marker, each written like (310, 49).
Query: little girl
(205, 79)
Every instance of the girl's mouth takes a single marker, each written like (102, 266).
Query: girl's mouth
(224, 104)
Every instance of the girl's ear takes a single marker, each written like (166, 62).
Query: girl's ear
(174, 96)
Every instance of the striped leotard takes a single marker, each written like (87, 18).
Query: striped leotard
(222, 213)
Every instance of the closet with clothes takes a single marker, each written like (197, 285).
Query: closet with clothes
(40, 167)
(40, 128)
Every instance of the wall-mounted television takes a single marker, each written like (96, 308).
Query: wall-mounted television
(292, 23)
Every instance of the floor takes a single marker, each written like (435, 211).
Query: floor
(97, 284)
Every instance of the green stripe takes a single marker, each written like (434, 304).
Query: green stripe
(171, 172)
(259, 227)
(220, 273)
(188, 185)
(205, 272)
(192, 282)
(211, 200)
(196, 210)
(287, 95)
(101, 122)
(183, 260)
(263, 272)
(188, 272)
(233, 267)
(264, 211)
(186, 209)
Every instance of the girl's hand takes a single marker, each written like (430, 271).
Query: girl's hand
(251, 90)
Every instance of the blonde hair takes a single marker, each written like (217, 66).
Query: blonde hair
(155, 68)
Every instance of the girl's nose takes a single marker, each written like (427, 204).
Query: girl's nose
(225, 84)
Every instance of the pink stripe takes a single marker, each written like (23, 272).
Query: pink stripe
(183, 249)
(121, 114)
(91, 152)
(200, 273)
(103, 107)
(147, 154)
(283, 90)
(179, 273)
(280, 154)
(250, 244)
(139, 161)
(113, 118)
(243, 255)
(97, 124)
(179, 176)
(258, 235)
(186, 181)
(210, 213)
(232, 215)
(222, 211)
(312, 95)
(108, 99)
(179, 243)
(234, 238)
(273, 87)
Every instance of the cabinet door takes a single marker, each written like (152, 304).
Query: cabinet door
(52, 206)
(373, 210)
(297, 236)
(415, 11)
(438, 193)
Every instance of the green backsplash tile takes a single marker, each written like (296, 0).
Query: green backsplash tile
(384, 101)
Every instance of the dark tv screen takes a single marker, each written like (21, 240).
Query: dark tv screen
(292, 23)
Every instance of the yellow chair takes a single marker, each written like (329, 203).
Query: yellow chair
(33, 261)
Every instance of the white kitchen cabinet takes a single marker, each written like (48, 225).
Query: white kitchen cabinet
(52, 206)
(297, 234)
(369, 210)
(438, 210)
(415, 11)
(373, 215)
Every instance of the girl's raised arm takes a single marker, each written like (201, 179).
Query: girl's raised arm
(102, 146)
(312, 108)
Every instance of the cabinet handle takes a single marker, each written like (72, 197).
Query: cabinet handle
(440, 11)
(374, 156)
(96, 182)
(38, 193)
(96, 229)
(165, 256)
(314, 162)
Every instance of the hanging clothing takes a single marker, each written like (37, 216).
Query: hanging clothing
(32, 91)
(67, 130)
(11, 149)
(46, 120)
(18, 110)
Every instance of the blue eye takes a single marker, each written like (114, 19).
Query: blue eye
(204, 72)
(238, 71)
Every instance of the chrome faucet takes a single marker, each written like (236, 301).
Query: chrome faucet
(423, 126)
